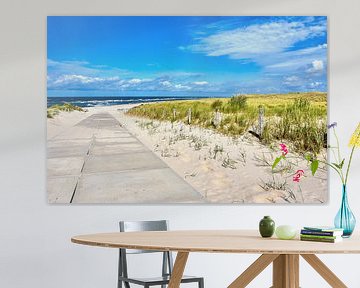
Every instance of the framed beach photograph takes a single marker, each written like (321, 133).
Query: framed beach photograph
(187, 109)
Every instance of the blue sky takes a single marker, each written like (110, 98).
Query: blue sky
(195, 55)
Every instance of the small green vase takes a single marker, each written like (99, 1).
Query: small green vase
(267, 227)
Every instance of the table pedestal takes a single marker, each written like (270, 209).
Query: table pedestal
(286, 271)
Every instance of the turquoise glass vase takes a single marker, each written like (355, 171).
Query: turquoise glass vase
(345, 219)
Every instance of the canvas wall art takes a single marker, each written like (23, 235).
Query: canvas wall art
(186, 109)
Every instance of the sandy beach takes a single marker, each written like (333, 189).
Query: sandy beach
(213, 167)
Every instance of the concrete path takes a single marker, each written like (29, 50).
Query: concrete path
(98, 161)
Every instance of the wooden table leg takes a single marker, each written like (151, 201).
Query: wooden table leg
(324, 271)
(178, 269)
(253, 270)
(286, 271)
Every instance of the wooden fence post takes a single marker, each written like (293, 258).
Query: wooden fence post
(261, 123)
(189, 116)
(217, 119)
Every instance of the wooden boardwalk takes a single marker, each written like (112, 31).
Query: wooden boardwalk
(99, 161)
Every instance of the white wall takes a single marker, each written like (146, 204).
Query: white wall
(35, 248)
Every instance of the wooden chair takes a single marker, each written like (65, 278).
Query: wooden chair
(167, 262)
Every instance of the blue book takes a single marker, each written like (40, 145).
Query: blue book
(322, 231)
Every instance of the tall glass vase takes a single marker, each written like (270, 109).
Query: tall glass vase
(345, 219)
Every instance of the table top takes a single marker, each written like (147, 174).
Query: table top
(217, 241)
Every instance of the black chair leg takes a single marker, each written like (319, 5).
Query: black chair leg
(201, 283)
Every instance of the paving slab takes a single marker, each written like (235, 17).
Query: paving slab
(61, 189)
(76, 133)
(113, 149)
(114, 141)
(107, 133)
(68, 151)
(110, 136)
(114, 124)
(67, 142)
(64, 166)
(147, 186)
(121, 162)
(104, 120)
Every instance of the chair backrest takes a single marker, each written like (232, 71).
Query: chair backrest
(137, 226)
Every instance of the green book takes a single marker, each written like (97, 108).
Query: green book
(319, 236)
(325, 240)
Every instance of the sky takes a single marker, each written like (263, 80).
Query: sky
(185, 55)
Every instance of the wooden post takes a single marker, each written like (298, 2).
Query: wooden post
(261, 124)
(217, 119)
(189, 116)
(174, 114)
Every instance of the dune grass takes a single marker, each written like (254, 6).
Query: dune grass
(297, 118)
(54, 110)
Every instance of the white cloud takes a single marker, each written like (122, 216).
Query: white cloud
(200, 83)
(82, 68)
(70, 67)
(82, 82)
(182, 87)
(315, 84)
(272, 46)
(317, 66)
(166, 83)
(138, 81)
(293, 81)
(258, 39)
(82, 75)
(172, 86)
(180, 74)
(77, 78)
(298, 60)
(135, 81)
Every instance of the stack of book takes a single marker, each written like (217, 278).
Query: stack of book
(321, 234)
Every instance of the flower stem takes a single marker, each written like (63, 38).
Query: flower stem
(339, 154)
(350, 159)
(338, 145)
(348, 167)
(336, 169)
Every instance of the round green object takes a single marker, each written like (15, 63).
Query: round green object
(266, 227)
(285, 232)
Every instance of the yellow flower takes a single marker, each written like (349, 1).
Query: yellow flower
(355, 138)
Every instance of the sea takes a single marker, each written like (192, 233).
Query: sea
(93, 101)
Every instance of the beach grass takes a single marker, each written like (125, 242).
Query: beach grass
(54, 110)
(296, 118)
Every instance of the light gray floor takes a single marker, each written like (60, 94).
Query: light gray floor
(98, 161)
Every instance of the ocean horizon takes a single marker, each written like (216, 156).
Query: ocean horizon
(92, 101)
